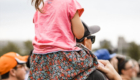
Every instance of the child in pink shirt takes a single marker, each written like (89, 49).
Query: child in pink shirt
(53, 27)
(55, 55)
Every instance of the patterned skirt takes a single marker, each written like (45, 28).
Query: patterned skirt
(63, 65)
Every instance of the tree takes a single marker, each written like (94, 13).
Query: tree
(106, 44)
(9, 48)
(134, 51)
(28, 46)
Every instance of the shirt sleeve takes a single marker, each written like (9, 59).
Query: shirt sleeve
(73, 7)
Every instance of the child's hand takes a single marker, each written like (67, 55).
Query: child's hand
(109, 71)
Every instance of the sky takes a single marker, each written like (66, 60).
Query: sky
(115, 18)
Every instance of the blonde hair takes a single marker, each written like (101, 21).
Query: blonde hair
(37, 4)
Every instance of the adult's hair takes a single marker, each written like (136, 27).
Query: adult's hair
(37, 4)
(121, 64)
(138, 75)
(6, 75)
(28, 61)
(110, 51)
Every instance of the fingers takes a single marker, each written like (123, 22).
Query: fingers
(104, 62)
(101, 68)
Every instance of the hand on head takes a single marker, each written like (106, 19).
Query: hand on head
(109, 71)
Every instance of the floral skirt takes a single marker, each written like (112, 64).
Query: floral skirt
(61, 65)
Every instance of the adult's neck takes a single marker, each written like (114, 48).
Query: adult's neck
(125, 77)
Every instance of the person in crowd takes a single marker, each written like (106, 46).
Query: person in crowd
(136, 68)
(138, 75)
(87, 41)
(125, 68)
(12, 66)
(106, 54)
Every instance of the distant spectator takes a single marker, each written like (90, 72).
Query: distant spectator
(136, 68)
(125, 68)
(12, 66)
(106, 54)
(139, 72)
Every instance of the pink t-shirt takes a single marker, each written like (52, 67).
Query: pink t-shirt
(53, 27)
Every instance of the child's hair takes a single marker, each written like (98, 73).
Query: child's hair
(37, 4)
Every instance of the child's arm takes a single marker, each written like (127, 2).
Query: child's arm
(77, 26)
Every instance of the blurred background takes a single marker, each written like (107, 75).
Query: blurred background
(119, 21)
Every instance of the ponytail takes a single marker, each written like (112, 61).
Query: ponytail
(37, 4)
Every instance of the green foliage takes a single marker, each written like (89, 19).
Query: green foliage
(95, 49)
(9, 48)
(28, 47)
(134, 51)
(22, 49)
(105, 44)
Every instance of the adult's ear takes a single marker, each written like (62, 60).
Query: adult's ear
(12, 72)
(84, 41)
(123, 71)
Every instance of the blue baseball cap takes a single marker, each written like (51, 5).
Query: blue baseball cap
(104, 54)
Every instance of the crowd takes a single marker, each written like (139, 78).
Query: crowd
(62, 49)
(16, 67)
(127, 68)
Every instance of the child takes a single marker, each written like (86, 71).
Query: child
(55, 55)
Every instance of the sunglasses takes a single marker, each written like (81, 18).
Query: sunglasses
(92, 38)
(129, 68)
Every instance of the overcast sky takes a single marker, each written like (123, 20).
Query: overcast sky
(115, 17)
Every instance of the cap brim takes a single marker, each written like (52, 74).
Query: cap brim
(112, 55)
(93, 29)
(102, 54)
(21, 59)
